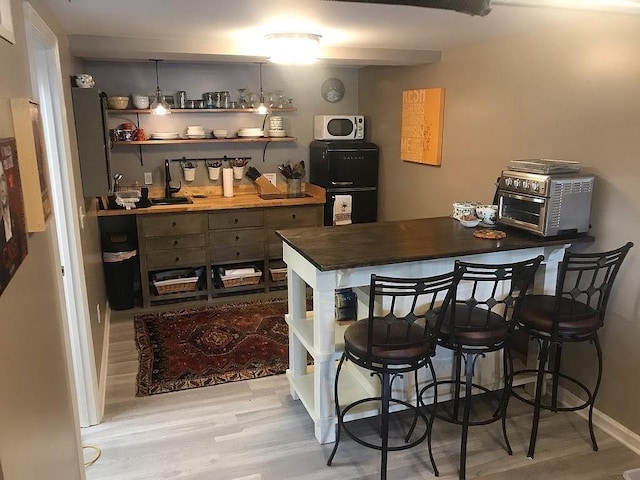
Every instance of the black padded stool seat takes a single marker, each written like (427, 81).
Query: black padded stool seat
(479, 321)
(537, 312)
(396, 338)
(474, 326)
(574, 314)
(403, 345)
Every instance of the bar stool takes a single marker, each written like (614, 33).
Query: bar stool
(394, 339)
(479, 321)
(574, 314)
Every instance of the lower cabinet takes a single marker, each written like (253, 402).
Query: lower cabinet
(191, 256)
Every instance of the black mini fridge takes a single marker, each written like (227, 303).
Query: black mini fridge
(346, 168)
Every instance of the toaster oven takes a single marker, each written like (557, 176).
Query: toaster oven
(545, 204)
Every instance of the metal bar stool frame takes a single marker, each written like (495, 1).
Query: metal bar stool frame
(574, 314)
(480, 320)
(394, 339)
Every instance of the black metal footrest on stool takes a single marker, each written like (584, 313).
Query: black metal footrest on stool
(553, 405)
(452, 415)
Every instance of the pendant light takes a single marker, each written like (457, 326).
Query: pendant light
(159, 105)
(261, 108)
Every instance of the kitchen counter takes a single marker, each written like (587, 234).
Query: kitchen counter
(331, 258)
(369, 244)
(244, 197)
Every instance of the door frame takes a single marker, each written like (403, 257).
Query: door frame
(46, 81)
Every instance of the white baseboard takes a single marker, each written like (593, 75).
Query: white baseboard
(104, 363)
(603, 421)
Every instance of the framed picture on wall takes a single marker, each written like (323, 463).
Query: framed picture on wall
(34, 176)
(6, 22)
(13, 234)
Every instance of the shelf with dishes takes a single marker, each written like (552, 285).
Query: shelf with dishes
(184, 141)
(114, 111)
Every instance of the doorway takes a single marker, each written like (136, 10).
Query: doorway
(46, 81)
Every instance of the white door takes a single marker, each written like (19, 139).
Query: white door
(46, 81)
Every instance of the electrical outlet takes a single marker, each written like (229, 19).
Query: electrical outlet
(148, 178)
(271, 177)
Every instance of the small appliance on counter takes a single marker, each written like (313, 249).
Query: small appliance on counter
(545, 197)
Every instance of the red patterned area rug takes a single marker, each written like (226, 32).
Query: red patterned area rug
(205, 346)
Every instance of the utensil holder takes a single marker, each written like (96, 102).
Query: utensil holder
(189, 174)
(238, 173)
(294, 186)
(214, 173)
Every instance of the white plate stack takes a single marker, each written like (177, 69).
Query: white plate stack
(195, 131)
(165, 135)
(276, 127)
(251, 132)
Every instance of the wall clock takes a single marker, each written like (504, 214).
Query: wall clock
(332, 90)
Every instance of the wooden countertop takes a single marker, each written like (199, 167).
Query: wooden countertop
(244, 198)
(367, 244)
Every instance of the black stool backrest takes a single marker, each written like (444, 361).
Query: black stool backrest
(486, 297)
(399, 307)
(584, 283)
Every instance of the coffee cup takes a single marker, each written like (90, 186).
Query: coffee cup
(488, 214)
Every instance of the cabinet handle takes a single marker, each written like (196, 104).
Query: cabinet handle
(293, 216)
(173, 224)
(177, 259)
(237, 238)
(235, 220)
(237, 254)
(175, 243)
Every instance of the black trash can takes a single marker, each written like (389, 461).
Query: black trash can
(119, 261)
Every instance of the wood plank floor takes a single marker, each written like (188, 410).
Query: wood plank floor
(253, 430)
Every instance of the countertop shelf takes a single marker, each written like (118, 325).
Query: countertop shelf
(113, 111)
(184, 141)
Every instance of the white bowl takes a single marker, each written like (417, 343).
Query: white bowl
(118, 103)
(220, 133)
(470, 223)
(141, 102)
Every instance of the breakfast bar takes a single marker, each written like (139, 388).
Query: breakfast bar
(330, 258)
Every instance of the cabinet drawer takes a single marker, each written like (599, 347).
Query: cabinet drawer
(293, 217)
(169, 224)
(237, 253)
(175, 241)
(231, 238)
(183, 257)
(275, 250)
(238, 218)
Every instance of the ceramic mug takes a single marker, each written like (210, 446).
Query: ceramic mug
(84, 80)
(488, 214)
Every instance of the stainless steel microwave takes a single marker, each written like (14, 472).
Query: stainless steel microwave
(338, 127)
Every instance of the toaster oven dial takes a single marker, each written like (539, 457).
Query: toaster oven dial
(525, 184)
(535, 186)
(516, 182)
(508, 181)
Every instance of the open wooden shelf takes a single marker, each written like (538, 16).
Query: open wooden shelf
(183, 141)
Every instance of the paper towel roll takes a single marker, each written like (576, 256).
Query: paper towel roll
(227, 181)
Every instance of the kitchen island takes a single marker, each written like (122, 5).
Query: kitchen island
(330, 258)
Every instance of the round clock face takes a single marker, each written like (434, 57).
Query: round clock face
(332, 90)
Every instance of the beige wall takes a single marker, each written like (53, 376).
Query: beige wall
(38, 434)
(569, 93)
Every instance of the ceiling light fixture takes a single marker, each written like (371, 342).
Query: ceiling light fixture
(293, 48)
(159, 105)
(261, 108)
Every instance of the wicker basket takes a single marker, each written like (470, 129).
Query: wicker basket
(278, 274)
(241, 280)
(174, 281)
(176, 285)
